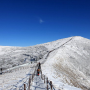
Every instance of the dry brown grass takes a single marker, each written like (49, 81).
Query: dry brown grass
(70, 74)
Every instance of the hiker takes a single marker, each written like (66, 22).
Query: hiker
(39, 65)
(38, 72)
(39, 68)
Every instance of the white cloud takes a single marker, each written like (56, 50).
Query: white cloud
(41, 21)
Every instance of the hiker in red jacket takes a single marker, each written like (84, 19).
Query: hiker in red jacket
(38, 72)
(39, 68)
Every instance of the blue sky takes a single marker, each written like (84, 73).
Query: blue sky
(31, 22)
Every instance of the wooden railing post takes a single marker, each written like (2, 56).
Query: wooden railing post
(47, 83)
(44, 78)
(29, 84)
(1, 71)
(32, 77)
(24, 86)
(51, 84)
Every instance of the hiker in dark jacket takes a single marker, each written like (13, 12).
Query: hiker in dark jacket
(39, 65)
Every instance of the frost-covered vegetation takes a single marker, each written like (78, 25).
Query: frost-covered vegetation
(14, 56)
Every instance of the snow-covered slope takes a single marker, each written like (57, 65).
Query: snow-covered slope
(70, 64)
(15, 78)
(55, 44)
(65, 62)
(14, 56)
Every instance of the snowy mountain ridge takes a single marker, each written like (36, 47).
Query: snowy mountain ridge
(70, 63)
(67, 61)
